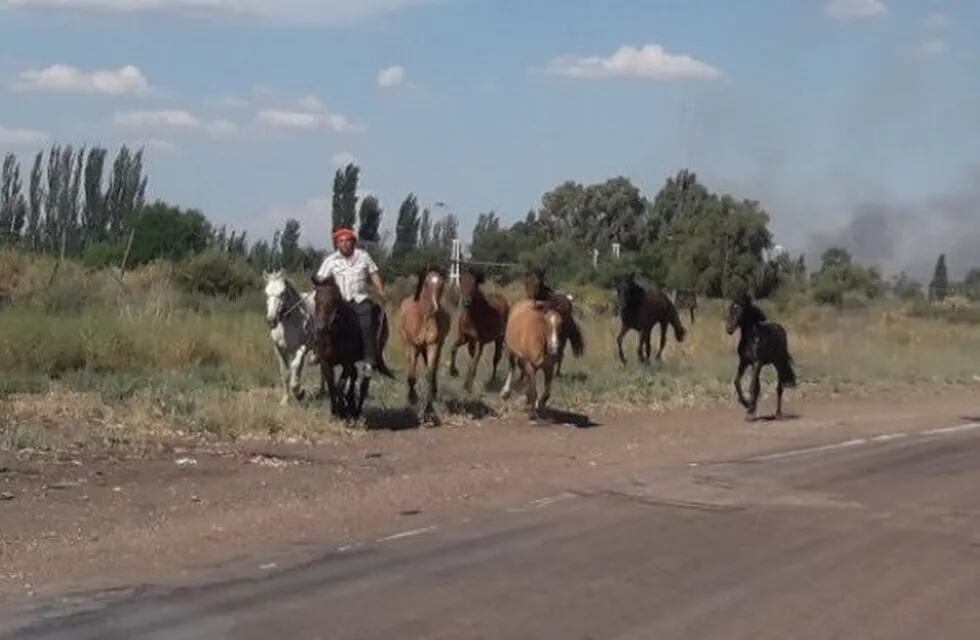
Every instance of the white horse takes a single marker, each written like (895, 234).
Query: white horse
(289, 315)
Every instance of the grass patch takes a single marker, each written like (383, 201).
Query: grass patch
(147, 358)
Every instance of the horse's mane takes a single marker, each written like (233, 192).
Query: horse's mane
(421, 278)
(751, 312)
(478, 275)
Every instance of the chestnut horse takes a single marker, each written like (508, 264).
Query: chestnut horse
(424, 325)
(482, 320)
(537, 289)
(533, 338)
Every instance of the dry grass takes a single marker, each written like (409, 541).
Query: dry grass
(91, 360)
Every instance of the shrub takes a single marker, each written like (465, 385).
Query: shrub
(215, 273)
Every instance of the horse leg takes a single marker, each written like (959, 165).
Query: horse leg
(742, 366)
(471, 372)
(412, 355)
(460, 341)
(755, 389)
(663, 341)
(283, 376)
(350, 391)
(498, 351)
(779, 398)
(432, 379)
(532, 390)
(548, 376)
(642, 347)
(623, 330)
(512, 367)
(326, 373)
(692, 316)
(296, 372)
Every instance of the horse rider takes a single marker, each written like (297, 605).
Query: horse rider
(352, 268)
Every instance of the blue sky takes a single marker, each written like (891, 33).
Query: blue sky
(818, 108)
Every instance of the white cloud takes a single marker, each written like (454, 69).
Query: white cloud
(175, 120)
(62, 77)
(933, 48)
(651, 62)
(161, 146)
(279, 11)
(392, 77)
(938, 21)
(311, 103)
(306, 121)
(13, 137)
(313, 216)
(343, 159)
(227, 102)
(855, 9)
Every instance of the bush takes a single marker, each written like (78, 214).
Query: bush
(102, 254)
(215, 273)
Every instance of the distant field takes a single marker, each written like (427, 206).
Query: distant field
(89, 361)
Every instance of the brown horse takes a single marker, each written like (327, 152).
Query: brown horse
(537, 289)
(533, 340)
(641, 310)
(424, 325)
(482, 320)
(337, 342)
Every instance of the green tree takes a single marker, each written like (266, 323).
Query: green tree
(939, 287)
(36, 199)
(370, 220)
(345, 196)
(425, 230)
(94, 222)
(407, 227)
(13, 206)
(971, 284)
(289, 245)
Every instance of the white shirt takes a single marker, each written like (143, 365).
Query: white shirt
(353, 274)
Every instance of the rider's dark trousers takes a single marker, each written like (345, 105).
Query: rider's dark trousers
(369, 332)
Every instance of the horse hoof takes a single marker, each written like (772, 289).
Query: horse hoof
(453, 373)
(300, 394)
(505, 394)
(284, 402)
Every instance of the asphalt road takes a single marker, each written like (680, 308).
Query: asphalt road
(866, 539)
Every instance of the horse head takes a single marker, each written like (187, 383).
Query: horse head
(327, 302)
(554, 319)
(743, 312)
(277, 287)
(430, 286)
(469, 285)
(628, 292)
(535, 286)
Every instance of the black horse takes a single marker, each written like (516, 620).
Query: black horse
(761, 343)
(641, 310)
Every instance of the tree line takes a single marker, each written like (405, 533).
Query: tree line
(75, 203)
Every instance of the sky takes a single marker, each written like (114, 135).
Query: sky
(854, 122)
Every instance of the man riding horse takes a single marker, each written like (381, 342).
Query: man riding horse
(352, 268)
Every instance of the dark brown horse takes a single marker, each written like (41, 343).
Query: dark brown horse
(537, 289)
(337, 342)
(761, 343)
(641, 310)
(482, 320)
(424, 325)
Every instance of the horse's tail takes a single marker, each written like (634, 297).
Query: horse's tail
(575, 337)
(786, 373)
(382, 341)
(675, 321)
(785, 367)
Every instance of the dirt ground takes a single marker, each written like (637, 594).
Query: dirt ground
(185, 512)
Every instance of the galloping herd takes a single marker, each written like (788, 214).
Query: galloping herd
(533, 333)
